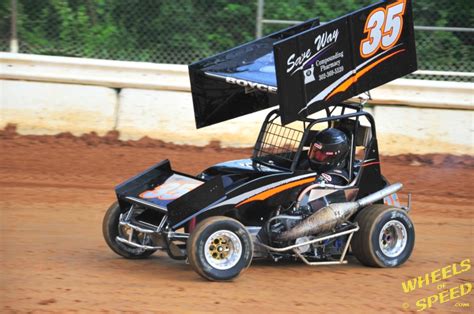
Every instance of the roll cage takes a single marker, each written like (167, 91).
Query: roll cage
(283, 147)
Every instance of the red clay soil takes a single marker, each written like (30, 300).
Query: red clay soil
(54, 191)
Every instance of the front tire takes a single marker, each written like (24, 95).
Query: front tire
(220, 248)
(111, 229)
(386, 237)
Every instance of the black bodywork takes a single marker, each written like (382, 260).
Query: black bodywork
(251, 189)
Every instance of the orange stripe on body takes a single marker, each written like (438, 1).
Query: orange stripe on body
(347, 83)
(268, 193)
(371, 163)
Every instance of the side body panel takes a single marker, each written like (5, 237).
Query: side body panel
(249, 201)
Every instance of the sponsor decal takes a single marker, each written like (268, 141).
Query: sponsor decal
(309, 75)
(349, 78)
(322, 43)
(172, 189)
(251, 86)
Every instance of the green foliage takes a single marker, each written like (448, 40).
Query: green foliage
(182, 31)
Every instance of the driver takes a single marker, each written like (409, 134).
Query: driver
(327, 156)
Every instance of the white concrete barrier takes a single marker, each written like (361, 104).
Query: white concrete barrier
(108, 73)
(144, 75)
(424, 130)
(425, 93)
(141, 99)
(169, 115)
(45, 108)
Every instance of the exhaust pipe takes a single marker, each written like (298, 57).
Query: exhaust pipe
(329, 217)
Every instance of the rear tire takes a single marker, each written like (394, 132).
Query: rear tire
(110, 230)
(219, 248)
(386, 237)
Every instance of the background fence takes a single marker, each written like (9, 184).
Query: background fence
(182, 31)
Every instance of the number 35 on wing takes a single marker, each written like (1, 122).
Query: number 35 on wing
(383, 27)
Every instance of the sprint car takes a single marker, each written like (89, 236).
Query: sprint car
(270, 205)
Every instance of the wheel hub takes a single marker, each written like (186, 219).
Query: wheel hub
(393, 238)
(219, 248)
(223, 249)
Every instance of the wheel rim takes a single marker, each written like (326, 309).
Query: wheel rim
(393, 238)
(223, 249)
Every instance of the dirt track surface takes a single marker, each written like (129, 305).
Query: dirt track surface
(55, 190)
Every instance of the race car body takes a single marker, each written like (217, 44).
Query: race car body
(273, 204)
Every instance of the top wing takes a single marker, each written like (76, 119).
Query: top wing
(308, 67)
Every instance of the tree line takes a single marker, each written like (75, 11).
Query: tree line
(182, 31)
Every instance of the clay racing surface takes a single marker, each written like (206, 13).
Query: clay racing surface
(55, 190)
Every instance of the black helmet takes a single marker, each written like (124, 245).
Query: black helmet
(328, 150)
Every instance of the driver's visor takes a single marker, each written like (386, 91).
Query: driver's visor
(317, 154)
